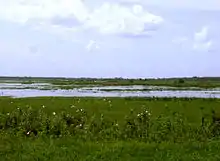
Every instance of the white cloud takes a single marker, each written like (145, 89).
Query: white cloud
(92, 45)
(201, 36)
(109, 18)
(206, 46)
(201, 41)
(184, 4)
(117, 19)
(23, 10)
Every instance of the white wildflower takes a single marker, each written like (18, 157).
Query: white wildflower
(80, 125)
(54, 113)
(138, 115)
(8, 113)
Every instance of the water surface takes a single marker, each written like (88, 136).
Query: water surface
(89, 93)
(35, 90)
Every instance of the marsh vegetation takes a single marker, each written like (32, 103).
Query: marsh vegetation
(109, 128)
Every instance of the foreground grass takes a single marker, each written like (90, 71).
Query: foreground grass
(108, 129)
(68, 149)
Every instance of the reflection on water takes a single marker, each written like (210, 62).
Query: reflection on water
(90, 93)
(20, 90)
(20, 85)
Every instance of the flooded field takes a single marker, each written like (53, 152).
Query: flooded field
(23, 86)
(47, 89)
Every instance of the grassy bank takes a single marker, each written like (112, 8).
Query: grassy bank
(172, 82)
(53, 128)
(203, 82)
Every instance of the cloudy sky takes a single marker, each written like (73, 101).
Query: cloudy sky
(110, 38)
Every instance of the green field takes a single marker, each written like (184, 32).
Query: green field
(54, 128)
(203, 82)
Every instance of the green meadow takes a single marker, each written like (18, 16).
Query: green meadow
(59, 128)
(201, 82)
(171, 82)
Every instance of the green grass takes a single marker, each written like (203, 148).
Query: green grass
(109, 129)
(120, 107)
(173, 82)
(28, 82)
(67, 149)
(203, 82)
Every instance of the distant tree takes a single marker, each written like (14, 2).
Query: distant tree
(181, 81)
(131, 81)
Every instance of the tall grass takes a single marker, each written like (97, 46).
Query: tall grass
(138, 125)
(93, 129)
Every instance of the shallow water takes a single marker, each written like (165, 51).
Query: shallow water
(17, 90)
(20, 85)
(89, 93)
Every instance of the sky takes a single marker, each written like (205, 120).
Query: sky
(109, 38)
